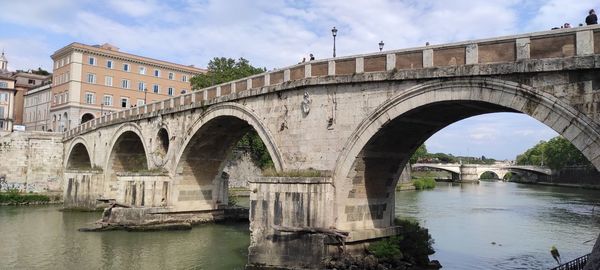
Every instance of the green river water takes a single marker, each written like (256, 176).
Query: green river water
(523, 220)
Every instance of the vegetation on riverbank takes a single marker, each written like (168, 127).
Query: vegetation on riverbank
(14, 197)
(556, 153)
(408, 250)
(424, 183)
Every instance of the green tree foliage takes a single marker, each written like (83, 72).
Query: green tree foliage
(252, 143)
(421, 152)
(414, 244)
(557, 153)
(221, 69)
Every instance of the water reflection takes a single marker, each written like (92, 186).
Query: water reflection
(44, 238)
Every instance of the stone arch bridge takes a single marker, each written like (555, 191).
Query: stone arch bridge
(473, 172)
(355, 119)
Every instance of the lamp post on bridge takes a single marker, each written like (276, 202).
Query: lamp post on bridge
(145, 93)
(334, 33)
(381, 45)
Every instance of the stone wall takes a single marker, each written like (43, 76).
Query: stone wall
(31, 161)
(240, 168)
(582, 176)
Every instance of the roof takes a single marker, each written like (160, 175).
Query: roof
(112, 51)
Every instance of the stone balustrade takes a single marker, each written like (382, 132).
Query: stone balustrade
(562, 43)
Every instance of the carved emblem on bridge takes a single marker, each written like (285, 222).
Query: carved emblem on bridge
(305, 105)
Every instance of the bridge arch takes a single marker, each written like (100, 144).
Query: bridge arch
(207, 144)
(497, 173)
(128, 150)
(78, 155)
(371, 161)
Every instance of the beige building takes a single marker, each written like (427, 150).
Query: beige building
(89, 81)
(36, 114)
(24, 81)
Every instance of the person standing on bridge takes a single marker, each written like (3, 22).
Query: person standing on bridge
(555, 254)
(591, 18)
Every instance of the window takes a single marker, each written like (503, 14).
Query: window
(143, 70)
(125, 84)
(140, 102)
(30, 81)
(109, 64)
(90, 98)
(170, 91)
(171, 75)
(155, 88)
(107, 101)
(3, 85)
(124, 102)
(108, 81)
(156, 73)
(126, 67)
(92, 61)
(91, 78)
(141, 86)
(184, 78)
(1, 112)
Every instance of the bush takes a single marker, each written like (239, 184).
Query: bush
(13, 196)
(414, 244)
(387, 249)
(424, 183)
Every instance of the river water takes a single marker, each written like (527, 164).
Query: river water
(524, 222)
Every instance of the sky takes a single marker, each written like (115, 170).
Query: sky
(278, 33)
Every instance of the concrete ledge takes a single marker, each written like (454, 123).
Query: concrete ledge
(363, 235)
(291, 180)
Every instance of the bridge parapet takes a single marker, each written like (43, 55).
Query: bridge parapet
(442, 59)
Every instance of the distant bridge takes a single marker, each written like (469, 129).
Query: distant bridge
(473, 172)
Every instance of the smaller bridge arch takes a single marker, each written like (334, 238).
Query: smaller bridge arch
(78, 155)
(118, 147)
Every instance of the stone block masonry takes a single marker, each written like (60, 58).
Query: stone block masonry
(31, 161)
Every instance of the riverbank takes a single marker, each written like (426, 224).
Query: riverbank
(17, 198)
(554, 184)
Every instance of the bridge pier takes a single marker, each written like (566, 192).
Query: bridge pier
(468, 173)
(82, 188)
(280, 204)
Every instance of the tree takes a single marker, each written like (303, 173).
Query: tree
(40, 71)
(221, 69)
(421, 152)
(557, 153)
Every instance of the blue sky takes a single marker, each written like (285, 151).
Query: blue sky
(277, 33)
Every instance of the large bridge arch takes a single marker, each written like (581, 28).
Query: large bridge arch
(78, 155)
(206, 146)
(369, 165)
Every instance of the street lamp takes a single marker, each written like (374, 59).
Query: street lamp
(334, 33)
(381, 45)
(145, 92)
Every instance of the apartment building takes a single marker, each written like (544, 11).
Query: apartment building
(89, 81)
(36, 114)
(25, 81)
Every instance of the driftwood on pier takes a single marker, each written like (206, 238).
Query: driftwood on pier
(312, 230)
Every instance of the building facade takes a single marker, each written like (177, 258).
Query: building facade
(89, 81)
(36, 114)
(25, 81)
(7, 102)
